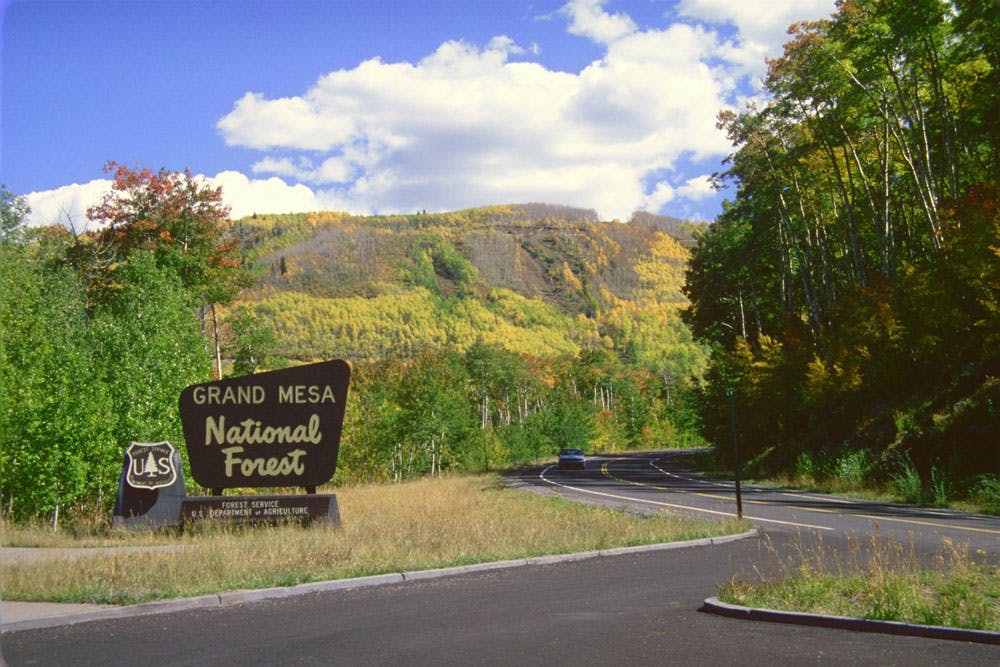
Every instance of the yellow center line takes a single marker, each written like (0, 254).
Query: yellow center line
(607, 473)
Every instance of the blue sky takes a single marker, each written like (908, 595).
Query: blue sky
(380, 107)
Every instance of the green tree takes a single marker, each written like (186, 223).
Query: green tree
(55, 418)
(851, 278)
(82, 377)
(435, 421)
(251, 342)
(150, 347)
(13, 212)
(178, 218)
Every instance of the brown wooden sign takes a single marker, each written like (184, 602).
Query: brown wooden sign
(280, 428)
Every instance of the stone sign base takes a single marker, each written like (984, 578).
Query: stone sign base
(143, 508)
(261, 509)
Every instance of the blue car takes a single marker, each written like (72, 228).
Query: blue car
(570, 457)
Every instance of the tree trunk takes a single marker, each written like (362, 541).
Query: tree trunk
(218, 349)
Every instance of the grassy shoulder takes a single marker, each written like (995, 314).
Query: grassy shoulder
(427, 523)
(849, 476)
(881, 582)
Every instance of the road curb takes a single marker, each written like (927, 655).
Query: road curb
(715, 606)
(231, 598)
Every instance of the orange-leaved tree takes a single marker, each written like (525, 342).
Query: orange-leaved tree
(180, 219)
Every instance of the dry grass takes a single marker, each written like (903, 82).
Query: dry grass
(881, 580)
(417, 525)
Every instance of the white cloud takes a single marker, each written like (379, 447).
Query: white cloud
(762, 25)
(290, 122)
(588, 19)
(68, 205)
(332, 170)
(273, 195)
(664, 193)
(697, 188)
(281, 166)
(466, 126)
(469, 125)
(505, 44)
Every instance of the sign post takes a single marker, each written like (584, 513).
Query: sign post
(736, 454)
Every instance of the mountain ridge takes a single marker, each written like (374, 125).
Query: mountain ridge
(535, 278)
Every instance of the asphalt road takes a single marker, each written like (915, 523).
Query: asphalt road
(657, 481)
(638, 609)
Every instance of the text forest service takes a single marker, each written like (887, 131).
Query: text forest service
(259, 508)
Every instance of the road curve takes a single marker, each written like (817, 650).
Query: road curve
(655, 481)
(635, 609)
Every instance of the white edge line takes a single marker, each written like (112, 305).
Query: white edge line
(729, 485)
(689, 478)
(541, 476)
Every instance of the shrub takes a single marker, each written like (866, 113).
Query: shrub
(852, 467)
(806, 466)
(940, 486)
(905, 481)
(986, 492)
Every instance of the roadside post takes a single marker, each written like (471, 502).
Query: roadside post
(736, 453)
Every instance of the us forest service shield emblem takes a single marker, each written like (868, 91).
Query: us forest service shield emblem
(150, 465)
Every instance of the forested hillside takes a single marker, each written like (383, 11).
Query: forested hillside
(535, 279)
(481, 337)
(478, 339)
(852, 288)
(848, 298)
